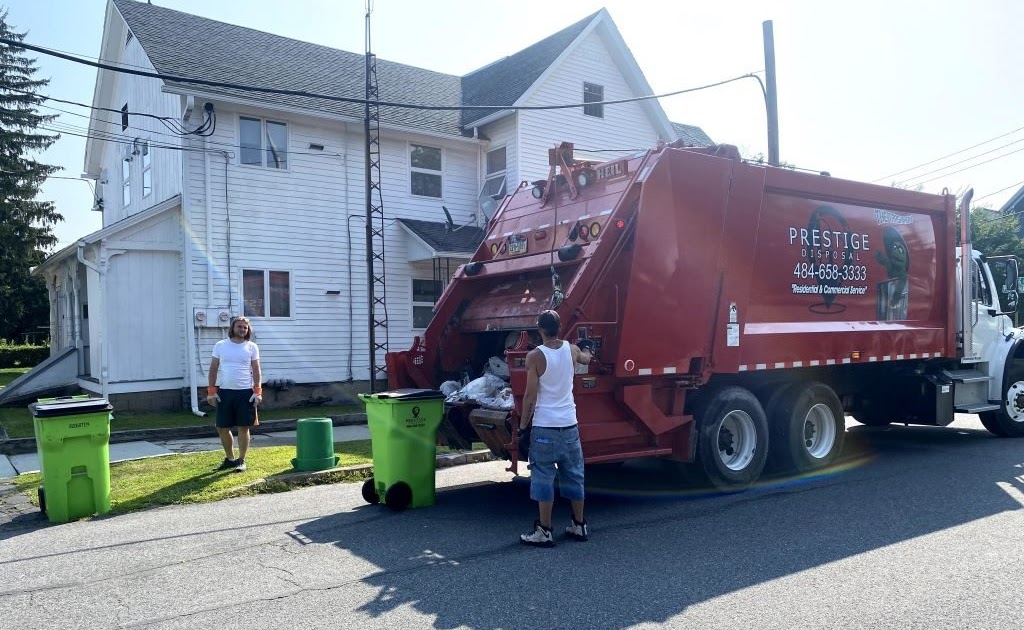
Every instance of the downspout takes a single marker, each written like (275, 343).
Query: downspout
(208, 207)
(101, 272)
(186, 252)
(76, 320)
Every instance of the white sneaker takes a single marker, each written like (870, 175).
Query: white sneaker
(539, 537)
(577, 531)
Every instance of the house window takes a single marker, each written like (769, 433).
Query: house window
(494, 184)
(263, 142)
(593, 94)
(147, 170)
(126, 187)
(266, 293)
(425, 170)
(424, 296)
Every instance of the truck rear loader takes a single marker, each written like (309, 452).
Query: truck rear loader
(738, 311)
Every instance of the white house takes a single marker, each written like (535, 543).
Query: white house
(261, 209)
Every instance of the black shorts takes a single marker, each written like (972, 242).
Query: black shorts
(234, 408)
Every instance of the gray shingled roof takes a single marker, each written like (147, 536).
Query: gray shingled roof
(187, 45)
(183, 44)
(692, 135)
(504, 81)
(463, 240)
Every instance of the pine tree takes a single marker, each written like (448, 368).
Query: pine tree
(26, 224)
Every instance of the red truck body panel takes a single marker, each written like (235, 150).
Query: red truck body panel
(684, 265)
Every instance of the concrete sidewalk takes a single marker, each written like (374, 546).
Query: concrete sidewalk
(14, 465)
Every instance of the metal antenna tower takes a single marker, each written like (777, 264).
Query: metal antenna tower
(375, 271)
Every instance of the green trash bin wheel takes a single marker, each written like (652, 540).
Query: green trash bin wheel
(398, 496)
(370, 493)
(42, 499)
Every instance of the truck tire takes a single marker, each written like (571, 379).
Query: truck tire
(1009, 420)
(732, 443)
(806, 427)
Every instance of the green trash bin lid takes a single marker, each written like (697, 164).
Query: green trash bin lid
(69, 407)
(408, 394)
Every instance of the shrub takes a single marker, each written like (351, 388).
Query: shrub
(22, 356)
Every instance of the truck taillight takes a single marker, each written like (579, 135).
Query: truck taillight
(620, 224)
(595, 229)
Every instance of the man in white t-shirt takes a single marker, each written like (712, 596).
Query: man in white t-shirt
(236, 360)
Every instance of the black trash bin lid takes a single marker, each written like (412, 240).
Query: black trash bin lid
(408, 393)
(69, 407)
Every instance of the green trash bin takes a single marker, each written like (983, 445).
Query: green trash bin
(403, 432)
(73, 443)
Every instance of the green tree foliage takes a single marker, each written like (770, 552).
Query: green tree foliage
(26, 224)
(995, 234)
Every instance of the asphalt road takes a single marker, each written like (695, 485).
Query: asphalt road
(918, 528)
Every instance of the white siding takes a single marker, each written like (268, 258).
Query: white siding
(142, 94)
(624, 126)
(309, 220)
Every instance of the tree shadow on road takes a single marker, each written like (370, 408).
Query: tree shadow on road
(657, 548)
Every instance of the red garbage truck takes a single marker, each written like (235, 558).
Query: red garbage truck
(739, 311)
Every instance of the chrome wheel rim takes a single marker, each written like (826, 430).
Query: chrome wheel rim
(737, 440)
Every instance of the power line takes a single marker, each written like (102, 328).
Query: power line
(966, 168)
(355, 101)
(914, 168)
(961, 161)
(102, 109)
(987, 195)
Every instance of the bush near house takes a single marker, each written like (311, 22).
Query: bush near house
(22, 356)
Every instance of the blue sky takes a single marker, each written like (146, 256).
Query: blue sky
(866, 89)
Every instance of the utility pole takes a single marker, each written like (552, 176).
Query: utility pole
(771, 97)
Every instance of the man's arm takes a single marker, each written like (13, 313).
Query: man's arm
(211, 390)
(257, 383)
(257, 375)
(581, 355)
(533, 359)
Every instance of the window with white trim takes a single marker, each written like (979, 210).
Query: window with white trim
(126, 182)
(494, 182)
(425, 165)
(593, 93)
(424, 296)
(147, 170)
(266, 293)
(262, 142)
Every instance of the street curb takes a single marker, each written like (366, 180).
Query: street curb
(17, 446)
(446, 460)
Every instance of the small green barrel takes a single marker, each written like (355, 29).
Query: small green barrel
(314, 445)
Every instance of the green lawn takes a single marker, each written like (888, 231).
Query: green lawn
(192, 478)
(17, 421)
(9, 374)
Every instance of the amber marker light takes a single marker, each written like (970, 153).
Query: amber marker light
(855, 355)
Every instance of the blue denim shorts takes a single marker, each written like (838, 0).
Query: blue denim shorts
(556, 452)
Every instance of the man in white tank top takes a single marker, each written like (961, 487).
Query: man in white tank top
(555, 448)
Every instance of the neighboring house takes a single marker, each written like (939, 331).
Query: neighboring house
(1015, 205)
(266, 215)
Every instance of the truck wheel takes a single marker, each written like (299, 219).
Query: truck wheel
(806, 428)
(1009, 420)
(733, 439)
